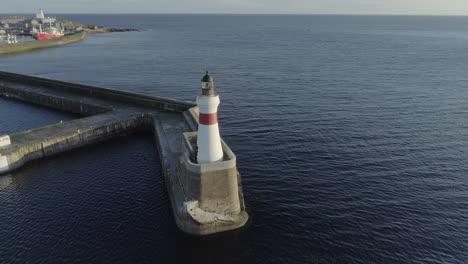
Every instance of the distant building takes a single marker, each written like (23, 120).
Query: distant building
(43, 19)
(48, 20)
(12, 20)
(40, 14)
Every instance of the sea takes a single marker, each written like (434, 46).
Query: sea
(351, 134)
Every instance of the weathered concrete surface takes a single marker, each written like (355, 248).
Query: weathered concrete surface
(47, 141)
(217, 206)
(212, 188)
(40, 44)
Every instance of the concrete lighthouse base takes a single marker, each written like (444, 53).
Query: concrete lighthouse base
(208, 197)
(215, 202)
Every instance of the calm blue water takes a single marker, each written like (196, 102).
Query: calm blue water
(351, 134)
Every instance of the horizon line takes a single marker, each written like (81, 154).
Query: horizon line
(285, 14)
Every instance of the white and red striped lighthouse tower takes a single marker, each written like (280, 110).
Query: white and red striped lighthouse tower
(208, 139)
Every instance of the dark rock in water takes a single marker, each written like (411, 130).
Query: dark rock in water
(122, 30)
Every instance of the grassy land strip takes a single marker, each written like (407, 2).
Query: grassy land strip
(39, 44)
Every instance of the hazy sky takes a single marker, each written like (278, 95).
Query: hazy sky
(416, 7)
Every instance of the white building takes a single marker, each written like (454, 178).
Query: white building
(45, 20)
(40, 14)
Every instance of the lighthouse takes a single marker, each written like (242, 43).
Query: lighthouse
(208, 139)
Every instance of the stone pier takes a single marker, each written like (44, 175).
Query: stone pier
(205, 198)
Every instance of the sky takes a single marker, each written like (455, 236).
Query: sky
(367, 7)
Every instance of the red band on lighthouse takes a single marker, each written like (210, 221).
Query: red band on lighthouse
(208, 119)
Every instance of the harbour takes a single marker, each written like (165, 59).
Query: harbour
(353, 154)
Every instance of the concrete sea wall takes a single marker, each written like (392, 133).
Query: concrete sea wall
(67, 140)
(155, 102)
(40, 44)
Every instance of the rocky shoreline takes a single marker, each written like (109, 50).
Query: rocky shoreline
(92, 29)
(112, 30)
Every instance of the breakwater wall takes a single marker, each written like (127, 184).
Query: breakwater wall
(106, 94)
(67, 136)
(205, 198)
(40, 44)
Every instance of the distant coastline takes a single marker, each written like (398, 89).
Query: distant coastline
(49, 32)
(92, 29)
